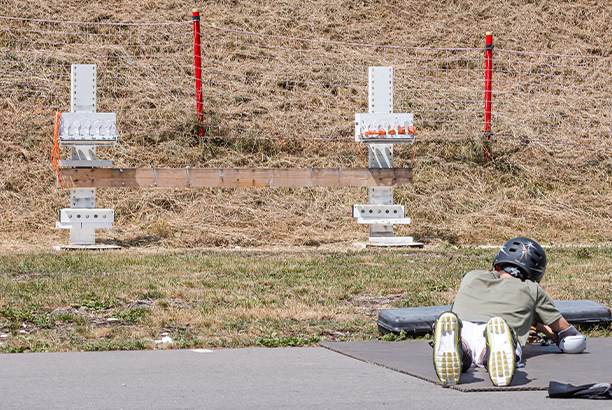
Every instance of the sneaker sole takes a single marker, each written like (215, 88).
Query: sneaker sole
(501, 360)
(446, 352)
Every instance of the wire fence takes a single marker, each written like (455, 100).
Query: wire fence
(277, 87)
(145, 73)
(553, 99)
(263, 86)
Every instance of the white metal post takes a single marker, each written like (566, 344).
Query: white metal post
(82, 129)
(380, 93)
(83, 87)
(380, 129)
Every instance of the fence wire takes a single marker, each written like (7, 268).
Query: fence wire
(553, 99)
(271, 86)
(145, 73)
(262, 86)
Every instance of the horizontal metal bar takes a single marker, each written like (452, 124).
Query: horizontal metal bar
(378, 211)
(384, 221)
(84, 225)
(86, 215)
(394, 140)
(87, 141)
(85, 163)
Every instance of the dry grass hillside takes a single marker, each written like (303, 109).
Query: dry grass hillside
(557, 194)
(568, 27)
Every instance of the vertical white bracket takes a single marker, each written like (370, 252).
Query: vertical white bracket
(83, 198)
(380, 97)
(380, 90)
(83, 88)
(380, 156)
(83, 152)
(82, 236)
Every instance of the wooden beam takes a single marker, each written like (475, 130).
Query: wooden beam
(234, 177)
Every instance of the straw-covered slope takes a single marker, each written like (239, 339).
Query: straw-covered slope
(554, 193)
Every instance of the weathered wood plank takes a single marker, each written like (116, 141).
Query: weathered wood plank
(234, 177)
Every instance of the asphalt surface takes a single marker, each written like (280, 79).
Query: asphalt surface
(254, 378)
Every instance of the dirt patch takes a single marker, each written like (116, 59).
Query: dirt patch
(370, 305)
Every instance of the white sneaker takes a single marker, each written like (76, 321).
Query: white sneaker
(447, 342)
(501, 349)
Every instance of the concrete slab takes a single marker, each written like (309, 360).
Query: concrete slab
(255, 378)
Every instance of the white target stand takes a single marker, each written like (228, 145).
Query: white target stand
(83, 129)
(380, 129)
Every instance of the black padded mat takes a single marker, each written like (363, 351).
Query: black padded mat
(418, 320)
(543, 363)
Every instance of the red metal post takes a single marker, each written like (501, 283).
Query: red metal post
(197, 54)
(488, 76)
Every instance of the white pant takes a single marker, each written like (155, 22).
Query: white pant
(474, 336)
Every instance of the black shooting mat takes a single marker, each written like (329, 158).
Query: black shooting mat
(542, 363)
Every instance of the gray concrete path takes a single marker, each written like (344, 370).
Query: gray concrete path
(255, 378)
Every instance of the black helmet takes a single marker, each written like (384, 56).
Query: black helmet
(525, 254)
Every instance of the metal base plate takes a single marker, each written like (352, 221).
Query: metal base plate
(387, 245)
(71, 247)
(394, 241)
(391, 241)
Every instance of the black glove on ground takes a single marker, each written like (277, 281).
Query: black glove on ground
(598, 391)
